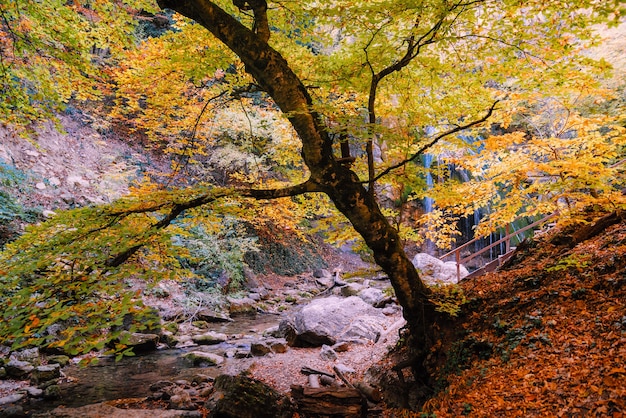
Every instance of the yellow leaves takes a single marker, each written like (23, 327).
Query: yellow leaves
(501, 142)
(440, 228)
(25, 24)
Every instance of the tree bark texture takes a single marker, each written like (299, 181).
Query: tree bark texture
(273, 73)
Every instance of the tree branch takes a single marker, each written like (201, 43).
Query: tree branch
(437, 139)
(413, 48)
(178, 208)
(259, 9)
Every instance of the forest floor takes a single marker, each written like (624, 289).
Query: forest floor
(545, 336)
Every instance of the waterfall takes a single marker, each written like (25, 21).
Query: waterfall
(428, 201)
(476, 220)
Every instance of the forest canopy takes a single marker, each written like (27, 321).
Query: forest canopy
(489, 106)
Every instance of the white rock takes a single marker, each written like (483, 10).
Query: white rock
(48, 213)
(434, 271)
(74, 180)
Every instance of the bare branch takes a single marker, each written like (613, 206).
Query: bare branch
(454, 130)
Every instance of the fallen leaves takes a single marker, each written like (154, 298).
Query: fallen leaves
(559, 347)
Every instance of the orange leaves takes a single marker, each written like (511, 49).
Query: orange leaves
(34, 323)
(568, 331)
(615, 378)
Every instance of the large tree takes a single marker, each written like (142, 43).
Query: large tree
(351, 78)
(408, 30)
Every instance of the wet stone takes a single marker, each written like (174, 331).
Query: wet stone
(11, 399)
(52, 392)
(278, 345)
(199, 358)
(18, 368)
(59, 359)
(34, 392)
(29, 355)
(45, 373)
(209, 338)
(259, 348)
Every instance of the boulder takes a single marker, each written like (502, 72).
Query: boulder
(34, 392)
(244, 306)
(448, 271)
(181, 399)
(209, 315)
(251, 281)
(328, 353)
(332, 319)
(351, 289)
(372, 296)
(362, 329)
(45, 373)
(287, 330)
(11, 398)
(259, 348)
(272, 331)
(52, 392)
(139, 342)
(270, 345)
(200, 358)
(59, 359)
(324, 278)
(243, 397)
(434, 271)
(29, 355)
(278, 345)
(18, 369)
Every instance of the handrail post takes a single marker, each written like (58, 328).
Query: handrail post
(507, 243)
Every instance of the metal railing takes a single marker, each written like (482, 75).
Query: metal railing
(506, 240)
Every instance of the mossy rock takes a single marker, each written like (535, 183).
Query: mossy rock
(203, 359)
(243, 397)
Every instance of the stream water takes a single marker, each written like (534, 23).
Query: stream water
(131, 377)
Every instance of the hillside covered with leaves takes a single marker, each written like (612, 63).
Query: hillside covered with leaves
(543, 336)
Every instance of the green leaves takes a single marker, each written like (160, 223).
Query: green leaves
(60, 288)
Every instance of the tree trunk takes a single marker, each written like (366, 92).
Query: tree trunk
(342, 185)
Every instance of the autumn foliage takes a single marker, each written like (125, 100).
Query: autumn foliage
(342, 100)
(544, 336)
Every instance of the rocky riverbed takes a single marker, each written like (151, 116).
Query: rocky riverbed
(333, 324)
